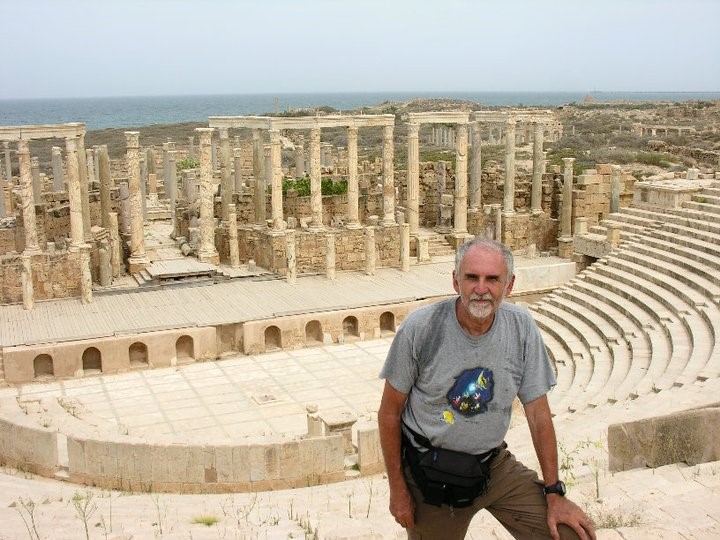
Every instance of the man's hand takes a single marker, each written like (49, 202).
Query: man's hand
(402, 506)
(562, 510)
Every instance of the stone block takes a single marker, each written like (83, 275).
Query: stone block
(370, 458)
(690, 437)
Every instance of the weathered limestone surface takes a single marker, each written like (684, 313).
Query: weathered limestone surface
(687, 437)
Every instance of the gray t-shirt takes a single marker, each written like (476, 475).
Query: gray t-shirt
(461, 387)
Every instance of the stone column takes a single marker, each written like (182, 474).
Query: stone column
(36, 181)
(84, 189)
(191, 147)
(475, 192)
(8, 178)
(237, 165)
(105, 266)
(106, 185)
(388, 177)
(138, 259)
(441, 182)
(28, 203)
(291, 275)
(413, 178)
(77, 238)
(299, 160)
(233, 237)
(315, 180)
(28, 291)
(536, 194)
(276, 180)
(8, 163)
(206, 251)
(171, 190)
(96, 163)
(116, 256)
(330, 256)
(370, 251)
(259, 175)
(460, 205)
(85, 274)
(143, 185)
(90, 159)
(509, 192)
(405, 247)
(226, 180)
(566, 215)
(615, 188)
(57, 167)
(353, 190)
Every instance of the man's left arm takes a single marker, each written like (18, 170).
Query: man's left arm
(560, 509)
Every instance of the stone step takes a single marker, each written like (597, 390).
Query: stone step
(700, 215)
(584, 357)
(680, 239)
(143, 278)
(673, 245)
(649, 343)
(562, 360)
(696, 275)
(662, 274)
(702, 207)
(619, 349)
(678, 316)
(708, 196)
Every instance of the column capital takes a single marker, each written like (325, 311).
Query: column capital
(132, 139)
(23, 146)
(413, 129)
(568, 161)
(224, 132)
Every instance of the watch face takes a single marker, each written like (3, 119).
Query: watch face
(558, 488)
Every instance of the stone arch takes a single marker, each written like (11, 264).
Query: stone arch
(313, 333)
(185, 349)
(92, 360)
(350, 327)
(43, 366)
(273, 338)
(138, 354)
(387, 322)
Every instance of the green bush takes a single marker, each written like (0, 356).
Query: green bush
(302, 186)
(187, 163)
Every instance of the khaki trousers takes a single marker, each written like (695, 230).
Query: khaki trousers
(514, 498)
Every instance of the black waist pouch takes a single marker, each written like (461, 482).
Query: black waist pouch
(447, 476)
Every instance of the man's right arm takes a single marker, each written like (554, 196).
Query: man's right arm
(402, 506)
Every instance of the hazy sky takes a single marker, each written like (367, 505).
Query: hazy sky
(79, 48)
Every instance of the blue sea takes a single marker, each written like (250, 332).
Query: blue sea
(126, 112)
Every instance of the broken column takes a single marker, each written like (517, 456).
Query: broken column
(315, 180)
(413, 177)
(509, 191)
(535, 197)
(138, 259)
(207, 251)
(388, 176)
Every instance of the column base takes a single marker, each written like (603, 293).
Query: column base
(210, 257)
(565, 247)
(536, 212)
(136, 264)
(354, 225)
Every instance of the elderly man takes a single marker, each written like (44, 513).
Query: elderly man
(451, 376)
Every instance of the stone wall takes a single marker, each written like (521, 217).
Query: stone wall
(26, 446)
(690, 437)
(116, 353)
(55, 275)
(138, 465)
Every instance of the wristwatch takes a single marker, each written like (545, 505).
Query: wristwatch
(557, 488)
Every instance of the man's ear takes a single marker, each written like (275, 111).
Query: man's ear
(456, 285)
(510, 284)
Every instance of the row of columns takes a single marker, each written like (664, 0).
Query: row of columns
(316, 210)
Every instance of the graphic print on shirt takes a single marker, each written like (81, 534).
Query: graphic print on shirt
(471, 393)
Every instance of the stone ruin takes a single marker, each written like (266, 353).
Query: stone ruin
(81, 232)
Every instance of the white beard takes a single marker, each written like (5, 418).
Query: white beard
(480, 309)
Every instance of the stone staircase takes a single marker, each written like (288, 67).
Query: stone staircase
(439, 247)
(645, 318)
